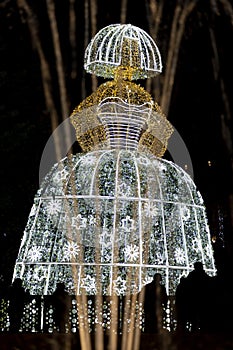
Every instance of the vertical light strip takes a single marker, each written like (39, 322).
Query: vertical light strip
(114, 214)
(198, 234)
(139, 219)
(47, 280)
(164, 233)
(28, 239)
(209, 241)
(183, 235)
(79, 279)
(94, 179)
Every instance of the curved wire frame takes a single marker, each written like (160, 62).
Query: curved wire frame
(105, 222)
(114, 123)
(125, 46)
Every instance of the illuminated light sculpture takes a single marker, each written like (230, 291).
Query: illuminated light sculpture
(124, 46)
(105, 221)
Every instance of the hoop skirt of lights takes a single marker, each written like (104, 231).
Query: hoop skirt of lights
(106, 220)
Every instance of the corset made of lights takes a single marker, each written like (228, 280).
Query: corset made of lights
(106, 220)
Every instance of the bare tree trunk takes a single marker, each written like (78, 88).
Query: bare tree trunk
(45, 72)
(4, 3)
(73, 39)
(123, 11)
(60, 68)
(86, 40)
(228, 9)
(154, 15)
(177, 31)
(93, 9)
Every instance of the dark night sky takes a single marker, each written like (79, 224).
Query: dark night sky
(196, 106)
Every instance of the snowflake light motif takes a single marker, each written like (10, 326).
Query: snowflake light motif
(79, 221)
(35, 254)
(131, 252)
(127, 224)
(179, 255)
(150, 209)
(60, 176)
(89, 284)
(54, 206)
(40, 273)
(106, 238)
(70, 250)
(124, 190)
(119, 286)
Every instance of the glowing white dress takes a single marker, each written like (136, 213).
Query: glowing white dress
(105, 221)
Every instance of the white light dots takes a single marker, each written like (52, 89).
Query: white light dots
(133, 222)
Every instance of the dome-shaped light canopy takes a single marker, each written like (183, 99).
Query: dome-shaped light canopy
(126, 47)
(107, 221)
